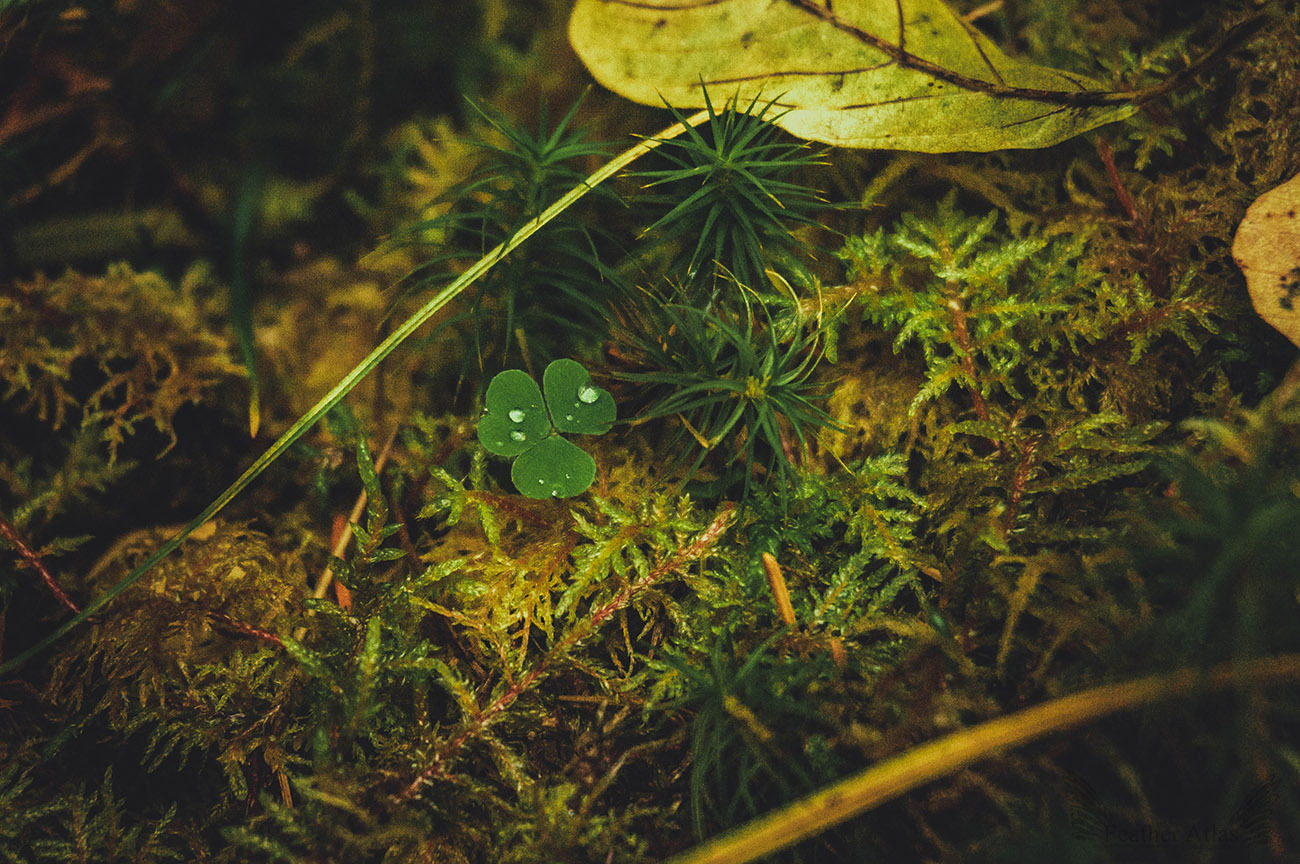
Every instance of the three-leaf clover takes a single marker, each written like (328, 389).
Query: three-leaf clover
(522, 424)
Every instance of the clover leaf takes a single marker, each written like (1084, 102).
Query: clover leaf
(521, 423)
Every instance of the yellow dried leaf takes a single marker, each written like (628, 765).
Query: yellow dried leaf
(896, 74)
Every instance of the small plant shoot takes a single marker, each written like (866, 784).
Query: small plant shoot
(522, 424)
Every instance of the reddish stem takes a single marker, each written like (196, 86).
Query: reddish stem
(962, 334)
(1126, 202)
(510, 506)
(246, 629)
(1019, 482)
(34, 560)
(1153, 259)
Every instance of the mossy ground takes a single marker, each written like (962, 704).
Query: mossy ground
(1059, 450)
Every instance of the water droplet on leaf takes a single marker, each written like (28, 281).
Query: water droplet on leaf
(587, 394)
(517, 416)
(568, 416)
(518, 436)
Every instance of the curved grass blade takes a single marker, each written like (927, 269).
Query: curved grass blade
(362, 369)
(890, 778)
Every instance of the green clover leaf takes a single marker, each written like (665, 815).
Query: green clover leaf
(577, 405)
(519, 422)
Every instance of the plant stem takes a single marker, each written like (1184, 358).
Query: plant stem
(33, 558)
(962, 334)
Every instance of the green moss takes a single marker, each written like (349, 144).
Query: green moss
(1021, 435)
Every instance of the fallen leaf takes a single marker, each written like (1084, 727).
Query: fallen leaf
(1267, 249)
(897, 74)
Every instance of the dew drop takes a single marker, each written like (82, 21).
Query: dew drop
(540, 481)
(587, 394)
(568, 417)
(518, 436)
(517, 416)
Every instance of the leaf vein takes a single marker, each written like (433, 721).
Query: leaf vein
(796, 73)
(911, 61)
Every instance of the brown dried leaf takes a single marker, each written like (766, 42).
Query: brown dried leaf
(1267, 249)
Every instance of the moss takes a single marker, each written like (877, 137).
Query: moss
(1057, 450)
